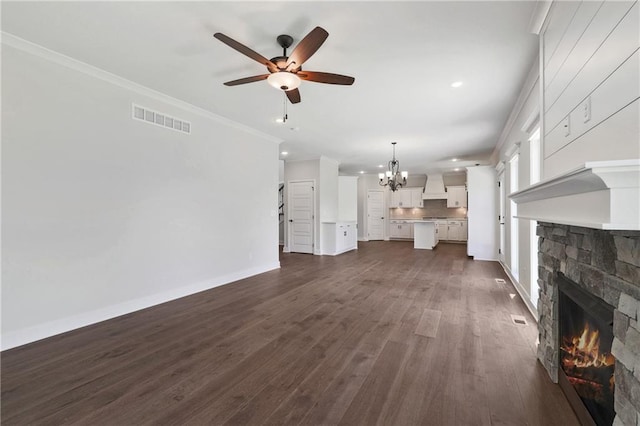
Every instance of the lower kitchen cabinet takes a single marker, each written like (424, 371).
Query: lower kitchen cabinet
(339, 237)
(457, 230)
(442, 230)
(400, 230)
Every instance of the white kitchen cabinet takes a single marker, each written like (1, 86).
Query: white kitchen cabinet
(464, 230)
(339, 237)
(400, 230)
(394, 199)
(456, 196)
(406, 198)
(457, 230)
(442, 228)
(416, 197)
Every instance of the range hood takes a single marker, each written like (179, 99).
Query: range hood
(434, 188)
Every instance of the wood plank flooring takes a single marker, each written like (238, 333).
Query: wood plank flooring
(385, 335)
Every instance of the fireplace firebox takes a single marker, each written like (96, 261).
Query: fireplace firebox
(586, 364)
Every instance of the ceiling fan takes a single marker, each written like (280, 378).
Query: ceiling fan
(285, 72)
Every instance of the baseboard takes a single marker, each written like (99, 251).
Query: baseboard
(340, 252)
(41, 331)
(521, 292)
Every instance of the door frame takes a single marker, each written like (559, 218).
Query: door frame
(384, 220)
(314, 228)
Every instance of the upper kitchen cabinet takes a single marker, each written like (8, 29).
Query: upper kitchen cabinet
(406, 198)
(416, 197)
(456, 196)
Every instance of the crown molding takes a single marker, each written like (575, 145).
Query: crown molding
(34, 49)
(539, 16)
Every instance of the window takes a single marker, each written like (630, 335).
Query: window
(513, 186)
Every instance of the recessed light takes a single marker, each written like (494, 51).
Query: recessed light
(454, 159)
(456, 169)
(361, 172)
(284, 153)
(456, 84)
(380, 166)
(279, 120)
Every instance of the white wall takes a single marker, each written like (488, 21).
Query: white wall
(590, 54)
(103, 214)
(348, 198)
(328, 188)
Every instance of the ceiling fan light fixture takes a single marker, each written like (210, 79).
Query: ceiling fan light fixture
(284, 80)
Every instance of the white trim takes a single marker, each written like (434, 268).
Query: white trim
(52, 328)
(599, 194)
(539, 16)
(531, 122)
(513, 150)
(521, 292)
(76, 65)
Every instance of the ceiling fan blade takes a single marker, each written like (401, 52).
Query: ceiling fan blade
(326, 77)
(246, 51)
(246, 80)
(293, 95)
(307, 47)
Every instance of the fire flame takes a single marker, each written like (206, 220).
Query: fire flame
(584, 351)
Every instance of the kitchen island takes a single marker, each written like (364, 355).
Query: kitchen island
(425, 235)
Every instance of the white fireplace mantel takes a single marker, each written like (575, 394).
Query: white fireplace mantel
(600, 194)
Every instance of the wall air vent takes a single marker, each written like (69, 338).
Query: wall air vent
(150, 116)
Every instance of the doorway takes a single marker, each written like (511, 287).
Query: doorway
(301, 216)
(375, 215)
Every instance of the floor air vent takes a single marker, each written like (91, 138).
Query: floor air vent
(500, 281)
(149, 116)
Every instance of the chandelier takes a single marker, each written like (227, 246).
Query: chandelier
(394, 178)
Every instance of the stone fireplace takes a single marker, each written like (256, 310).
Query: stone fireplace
(589, 233)
(605, 264)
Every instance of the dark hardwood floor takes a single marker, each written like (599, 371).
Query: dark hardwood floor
(383, 335)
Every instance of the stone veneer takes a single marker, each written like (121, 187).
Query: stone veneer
(607, 265)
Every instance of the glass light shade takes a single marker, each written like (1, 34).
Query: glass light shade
(405, 174)
(283, 80)
(389, 173)
(381, 175)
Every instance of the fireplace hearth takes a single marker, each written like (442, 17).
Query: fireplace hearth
(586, 364)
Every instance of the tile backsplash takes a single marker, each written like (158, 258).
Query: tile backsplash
(432, 208)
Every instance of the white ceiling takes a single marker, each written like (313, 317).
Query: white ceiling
(403, 55)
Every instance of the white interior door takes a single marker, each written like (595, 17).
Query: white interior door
(375, 215)
(501, 222)
(301, 217)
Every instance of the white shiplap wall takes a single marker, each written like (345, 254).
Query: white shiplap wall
(590, 55)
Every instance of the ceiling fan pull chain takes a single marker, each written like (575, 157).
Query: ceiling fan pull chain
(284, 113)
